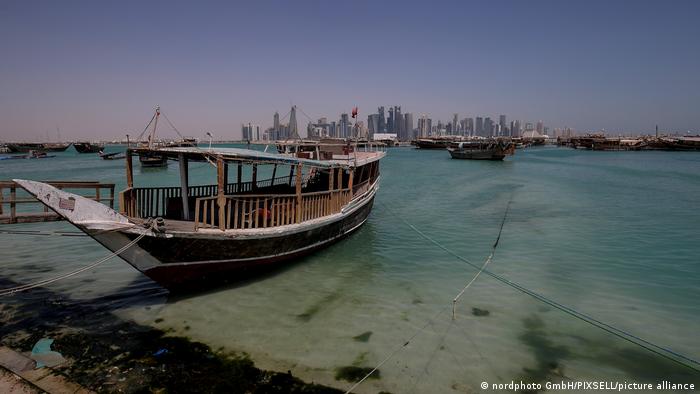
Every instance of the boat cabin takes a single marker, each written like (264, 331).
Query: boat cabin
(305, 184)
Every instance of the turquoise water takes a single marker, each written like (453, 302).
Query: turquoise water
(611, 234)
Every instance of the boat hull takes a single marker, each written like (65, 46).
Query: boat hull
(470, 154)
(86, 147)
(185, 260)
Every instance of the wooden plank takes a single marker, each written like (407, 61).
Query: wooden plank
(129, 169)
(184, 186)
(221, 199)
(196, 214)
(235, 214)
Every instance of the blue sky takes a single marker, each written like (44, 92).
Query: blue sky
(97, 69)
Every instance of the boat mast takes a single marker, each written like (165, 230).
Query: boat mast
(152, 137)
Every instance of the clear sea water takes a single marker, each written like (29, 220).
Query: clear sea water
(615, 235)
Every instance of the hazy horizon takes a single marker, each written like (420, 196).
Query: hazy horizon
(97, 70)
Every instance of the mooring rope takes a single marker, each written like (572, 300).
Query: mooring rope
(12, 290)
(488, 260)
(45, 233)
(627, 336)
(454, 301)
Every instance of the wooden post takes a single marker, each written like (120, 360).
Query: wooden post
(129, 170)
(352, 175)
(1, 199)
(221, 200)
(298, 192)
(13, 204)
(184, 186)
(291, 174)
(274, 172)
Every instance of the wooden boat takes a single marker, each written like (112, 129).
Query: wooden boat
(149, 156)
(433, 143)
(88, 147)
(490, 149)
(112, 156)
(223, 231)
(25, 147)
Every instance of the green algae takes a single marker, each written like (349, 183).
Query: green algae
(353, 373)
(480, 312)
(364, 337)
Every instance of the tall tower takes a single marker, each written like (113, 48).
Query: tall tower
(502, 123)
(455, 125)
(293, 131)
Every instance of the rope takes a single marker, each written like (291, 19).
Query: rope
(454, 302)
(202, 151)
(488, 260)
(29, 286)
(629, 337)
(47, 233)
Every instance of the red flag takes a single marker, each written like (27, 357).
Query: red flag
(354, 112)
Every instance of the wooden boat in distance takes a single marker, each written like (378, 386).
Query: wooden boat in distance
(25, 147)
(88, 147)
(487, 149)
(434, 143)
(217, 232)
(112, 156)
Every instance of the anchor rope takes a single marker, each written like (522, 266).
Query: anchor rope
(46, 233)
(28, 286)
(622, 334)
(454, 302)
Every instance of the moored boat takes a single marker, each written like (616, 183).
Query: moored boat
(433, 143)
(489, 149)
(215, 232)
(25, 147)
(88, 147)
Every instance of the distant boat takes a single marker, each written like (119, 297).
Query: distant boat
(433, 143)
(88, 147)
(490, 149)
(149, 157)
(25, 147)
(112, 156)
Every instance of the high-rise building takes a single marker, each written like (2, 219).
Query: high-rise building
(407, 126)
(469, 130)
(502, 123)
(455, 125)
(488, 127)
(479, 126)
(398, 121)
(250, 132)
(390, 125)
(424, 126)
(293, 130)
(344, 126)
(540, 127)
(382, 120)
(373, 124)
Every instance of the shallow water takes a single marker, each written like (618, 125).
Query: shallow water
(611, 234)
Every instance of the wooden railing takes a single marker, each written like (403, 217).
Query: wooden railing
(45, 215)
(262, 211)
(145, 202)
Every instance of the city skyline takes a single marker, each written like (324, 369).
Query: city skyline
(97, 70)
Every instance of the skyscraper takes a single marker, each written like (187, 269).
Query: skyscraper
(488, 127)
(455, 125)
(479, 126)
(408, 126)
(540, 127)
(293, 131)
(398, 121)
(469, 130)
(502, 123)
(344, 126)
(390, 126)
(382, 120)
